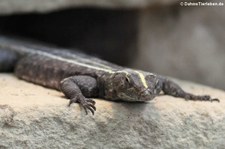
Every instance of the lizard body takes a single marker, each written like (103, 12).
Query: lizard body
(81, 77)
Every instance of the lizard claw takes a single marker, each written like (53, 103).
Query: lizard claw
(208, 98)
(87, 104)
(215, 99)
(90, 101)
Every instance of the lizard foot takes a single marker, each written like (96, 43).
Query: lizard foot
(201, 98)
(86, 103)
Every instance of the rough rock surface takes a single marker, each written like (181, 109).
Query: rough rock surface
(35, 117)
(184, 42)
(22, 6)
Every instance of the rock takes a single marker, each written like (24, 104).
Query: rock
(183, 42)
(24, 6)
(98, 32)
(32, 116)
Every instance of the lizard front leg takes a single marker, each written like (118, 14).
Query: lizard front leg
(78, 89)
(173, 89)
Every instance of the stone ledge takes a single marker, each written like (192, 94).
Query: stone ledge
(24, 6)
(35, 117)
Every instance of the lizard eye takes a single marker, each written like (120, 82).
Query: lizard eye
(127, 79)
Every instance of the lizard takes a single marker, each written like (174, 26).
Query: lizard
(81, 77)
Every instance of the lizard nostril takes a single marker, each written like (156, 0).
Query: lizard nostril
(146, 93)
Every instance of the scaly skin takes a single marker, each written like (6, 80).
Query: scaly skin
(81, 77)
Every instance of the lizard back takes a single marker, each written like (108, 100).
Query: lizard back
(48, 65)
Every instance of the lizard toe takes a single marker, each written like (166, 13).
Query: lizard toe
(90, 107)
(215, 99)
(91, 101)
(87, 105)
(73, 100)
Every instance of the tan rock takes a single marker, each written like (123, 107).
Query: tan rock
(183, 42)
(24, 6)
(32, 116)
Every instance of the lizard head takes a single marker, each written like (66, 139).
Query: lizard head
(131, 85)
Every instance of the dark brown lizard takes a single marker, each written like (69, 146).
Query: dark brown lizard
(81, 77)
